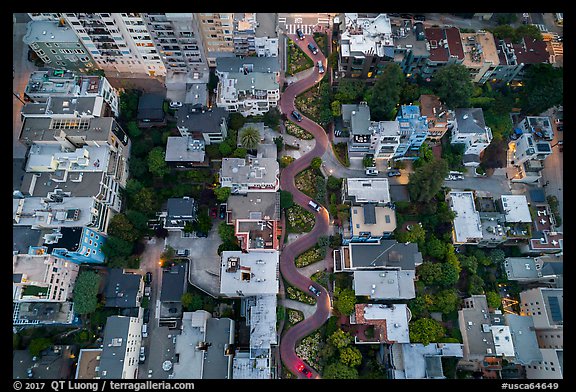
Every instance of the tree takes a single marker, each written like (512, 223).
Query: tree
(450, 275)
(316, 163)
(86, 292)
(157, 163)
(430, 273)
(445, 301)
(385, 94)
(138, 220)
(338, 370)
(334, 183)
(38, 345)
(336, 108)
(333, 60)
(138, 167)
(493, 299)
(168, 255)
(225, 149)
(132, 129)
(145, 201)
(286, 199)
(240, 152)
(435, 248)
(416, 234)
(349, 90)
(410, 93)
(226, 232)
(497, 256)
(544, 88)
(420, 305)
(191, 302)
(469, 263)
(222, 193)
(475, 285)
(204, 224)
(236, 121)
(272, 118)
(340, 339)
(344, 301)
(527, 32)
(279, 141)
(426, 331)
(250, 138)
(350, 356)
(116, 250)
(453, 85)
(368, 160)
(121, 227)
(427, 180)
(132, 188)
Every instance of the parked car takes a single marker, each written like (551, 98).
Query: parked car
(320, 67)
(302, 369)
(314, 205)
(222, 211)
(142, 357)
(394, 173)
(148, 277)
(314, 290)
(371, 171)
(146, 317)
(144, 330)
(175, 104)
(147, 291)
(213, 212)
(200, 234)
(300, 34)
(297, 115)
(313, 49)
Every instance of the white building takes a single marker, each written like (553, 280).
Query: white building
(546, 306)
(384, 285)
(470, 129)
(515, 208)
(245, 274)
(366, 190)
(121, 348)
(467, 225)
(550, 367)
(390, 322)
(266, 47)
(385, 138)
(250, 174)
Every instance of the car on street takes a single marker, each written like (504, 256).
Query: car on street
(371, 171)
(146, 316)
(302, 369)
(314, 290)
(222, 211)
(144, 330)
(394, 173)
(320, 67)
(213, 212)
(148, 278)
(300, 34)
(200, 234)
(142, 357)
(175, 104)
(314, 205)
(313, 49)
(147, 291)
(297, 115)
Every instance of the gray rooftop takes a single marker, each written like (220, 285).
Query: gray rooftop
(114, 350)
(88, 186)
(122, 289)
(50, 365)
(23, 237)
(520, 268)
(524, 338)
(180, 207)
(473, 123)
(420, 362)
(48, 31)
(406, 37)
(254, 80)
(387, 253)
(258, 171)
(173, 283)
(150, 106)
(198, 119)
(255, 206)
(191, 359)
(385, 284)
(369, 214)
(363, 190)
(184, 149)
(257, 64)
(476, 321)
(66, 105)
(360, 120)
(219, 334)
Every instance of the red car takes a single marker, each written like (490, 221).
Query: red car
(302, 369)
(214, 212)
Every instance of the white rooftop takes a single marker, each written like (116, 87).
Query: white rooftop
(191, 359)
(467, 224)
(396, 318)
(249, 273)
(516, 208)
(43, 157)
(369, 190)
(385, 284)
(33, 211)
(503, 340)
(366, 35)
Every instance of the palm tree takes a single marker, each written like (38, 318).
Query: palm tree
(250, 138)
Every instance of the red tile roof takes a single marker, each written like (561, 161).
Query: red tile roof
(455, 43)
(438, 52)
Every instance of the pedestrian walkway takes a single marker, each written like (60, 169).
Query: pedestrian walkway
(308, 310)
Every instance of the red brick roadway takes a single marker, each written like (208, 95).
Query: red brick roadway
(291, 251)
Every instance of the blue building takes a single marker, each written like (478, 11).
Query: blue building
(413, 131)
(76, 244)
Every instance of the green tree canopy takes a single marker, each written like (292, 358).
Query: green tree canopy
(145, 201)
(350, 91)
(469, 263)
(338, 370)
(204, 223)
(493, 299)
(316, 163)
(416, 234)
(544, 88)
(350, 356)
(420, 305)
(226, 232)
(453, 85)
(286, 199)
(157, 163)
(225, 149)
(427, 180)
(445, 301)
(116, 251)
(191, 302)
(336, 107)
(426, 331)
(436, 248)
(222, 193)
(340, 339)
(344, 301)
(86, 292)
(383, 97)
(475, 285)
(38, 345)
(121, 227)
(138, 220)
(236, 121)
(272, 118)
(132, 129)
(430, 273)
(249, 138)
(333, 183)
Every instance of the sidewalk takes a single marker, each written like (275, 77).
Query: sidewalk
(308, 310)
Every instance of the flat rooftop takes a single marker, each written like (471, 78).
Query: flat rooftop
(365, 190)
(372, 219)
(476, 322)
(249, 273)
(48, 31)
(467, 225)
(385, 284)
(516, 208)
(390, 321)
(254, 206)
(526, 348)
(479, 48)
(259, 171)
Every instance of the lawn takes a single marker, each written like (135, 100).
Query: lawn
(296, 131)
(299, 220)
(297, 60)
(341, 152)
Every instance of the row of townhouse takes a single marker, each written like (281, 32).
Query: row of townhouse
(153, 44)
(368, 43)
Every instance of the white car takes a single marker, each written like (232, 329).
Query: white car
(320, 67)
(175, 104)
(371, 171)
(142, 357)
(314, 205)
(144, 330)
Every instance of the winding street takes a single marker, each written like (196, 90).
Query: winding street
(291, 251)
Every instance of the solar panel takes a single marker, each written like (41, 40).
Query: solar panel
(555, 310)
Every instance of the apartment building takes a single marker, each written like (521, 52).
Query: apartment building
(413, 129)
(515, 58)
(217, 31)
(250, 174)
(42, 287)
(118, 42)
(58, 46)
(248, 274)
(470, 129)
(44, 84)
(410, 47)
(445, 46)
(480, 55)
(438, 117)
(120, 348)
(244, 34)
(546, 306)
(203, 124)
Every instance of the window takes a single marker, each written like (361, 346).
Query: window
(58, 57)
(53, 51)
(48, 44)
